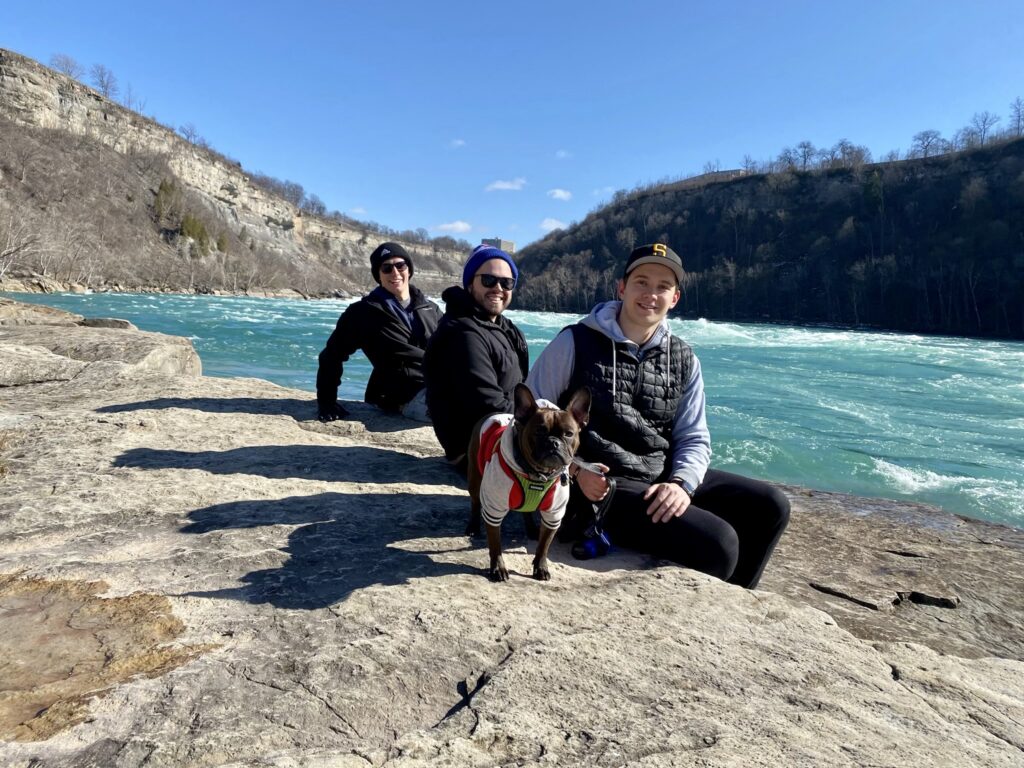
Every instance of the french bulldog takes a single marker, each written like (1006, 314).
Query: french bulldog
(519, 462)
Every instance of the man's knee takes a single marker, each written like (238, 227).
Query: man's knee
(778, 506)
(723, 553)
(713, 548)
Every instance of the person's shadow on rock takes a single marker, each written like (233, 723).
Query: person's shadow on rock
(304, 411)
(345, 542)
(353, 464)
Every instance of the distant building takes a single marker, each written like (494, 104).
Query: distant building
(502, 245)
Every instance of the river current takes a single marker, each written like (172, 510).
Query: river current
(929, 418)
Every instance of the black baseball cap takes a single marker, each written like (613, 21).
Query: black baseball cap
(656, 253)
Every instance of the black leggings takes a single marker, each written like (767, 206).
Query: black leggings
(729, 531)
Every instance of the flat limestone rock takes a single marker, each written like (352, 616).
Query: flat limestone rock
(139, 349)
(890, 570)
(32, 365)
(18, 313)
(284, 592)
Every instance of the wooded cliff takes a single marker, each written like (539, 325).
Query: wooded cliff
(926, 245)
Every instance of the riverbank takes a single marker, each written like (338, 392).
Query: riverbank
(204, 574)
(40, 284)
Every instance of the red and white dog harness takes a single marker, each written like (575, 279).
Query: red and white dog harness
(505, 486)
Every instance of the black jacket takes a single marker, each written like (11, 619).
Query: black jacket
(394, 350)
(472, 366)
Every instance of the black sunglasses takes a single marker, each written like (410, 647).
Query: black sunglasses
(391, 266)
(489, 281)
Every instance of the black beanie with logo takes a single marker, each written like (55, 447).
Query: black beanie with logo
(386, 251)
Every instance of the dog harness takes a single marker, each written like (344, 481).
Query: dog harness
(508, 488)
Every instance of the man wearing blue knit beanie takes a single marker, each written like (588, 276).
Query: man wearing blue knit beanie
(477, 355)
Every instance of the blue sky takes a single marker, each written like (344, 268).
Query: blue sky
(483, 119)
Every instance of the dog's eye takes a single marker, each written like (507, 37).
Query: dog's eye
(568, 433)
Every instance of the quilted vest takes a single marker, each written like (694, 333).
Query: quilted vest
(634, 400)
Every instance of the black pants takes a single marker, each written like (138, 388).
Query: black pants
(729, 530)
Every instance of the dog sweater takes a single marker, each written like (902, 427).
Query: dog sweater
(505, 486)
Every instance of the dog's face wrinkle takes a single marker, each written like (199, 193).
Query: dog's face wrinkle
(548, 440)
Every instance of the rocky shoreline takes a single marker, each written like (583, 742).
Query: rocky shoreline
(40, 284)
(195, 571)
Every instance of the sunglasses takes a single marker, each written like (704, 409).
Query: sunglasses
(489, 281)
(390, 267)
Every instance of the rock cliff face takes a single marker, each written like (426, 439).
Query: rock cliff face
(33, 95)
(194, 571)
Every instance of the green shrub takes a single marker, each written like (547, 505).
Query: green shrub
(167, 202)
(196, 229)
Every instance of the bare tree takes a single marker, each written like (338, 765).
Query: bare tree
(788, 159)
(966, 138)
(131, 101)
(1017, 116)
(16, 242)
(313, 204)
(805, 154)
(64, 63)
(982, 123)
(104, 81)
(927, 143)
(190, 133)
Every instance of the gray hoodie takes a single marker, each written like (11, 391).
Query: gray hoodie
(691, 442)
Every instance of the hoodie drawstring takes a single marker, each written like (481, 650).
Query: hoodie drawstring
(615, 368)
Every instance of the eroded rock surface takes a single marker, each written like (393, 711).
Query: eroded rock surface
(341, 618)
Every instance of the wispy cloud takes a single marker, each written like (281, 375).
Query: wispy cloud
(560, 194)
(549, 224)
(461, 227)
(514, 185)
(457, 143)
(563, 154)
(603, 191)
(357, 211)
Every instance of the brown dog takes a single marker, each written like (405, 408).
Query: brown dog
(519, 463)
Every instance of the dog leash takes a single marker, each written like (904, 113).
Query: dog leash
(595, 541)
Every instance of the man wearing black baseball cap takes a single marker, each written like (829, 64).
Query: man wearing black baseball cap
(391, 325)
(648, 432)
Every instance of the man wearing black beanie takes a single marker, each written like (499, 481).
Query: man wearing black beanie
(391, 325)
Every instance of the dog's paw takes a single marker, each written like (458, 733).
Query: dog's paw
(541, 572)
(498, 571)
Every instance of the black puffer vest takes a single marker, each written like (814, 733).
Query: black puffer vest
(634, 401)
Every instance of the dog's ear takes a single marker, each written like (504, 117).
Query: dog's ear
(526, 406)
(579, 406)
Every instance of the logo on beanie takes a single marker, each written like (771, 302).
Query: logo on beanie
(384, 253)
(660, 250)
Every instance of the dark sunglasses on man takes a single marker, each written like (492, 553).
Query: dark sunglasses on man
(391, 266)
(489, 281)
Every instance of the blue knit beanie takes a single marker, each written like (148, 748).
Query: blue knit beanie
(481, 254)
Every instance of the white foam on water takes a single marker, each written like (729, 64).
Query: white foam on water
(703, 331)
(1006, 496)
(907, 480)
(745, 452)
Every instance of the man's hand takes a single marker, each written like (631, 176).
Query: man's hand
(669, 500)
(331, 412)
(593, 484)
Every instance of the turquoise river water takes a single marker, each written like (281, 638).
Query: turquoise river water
(934, 419)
